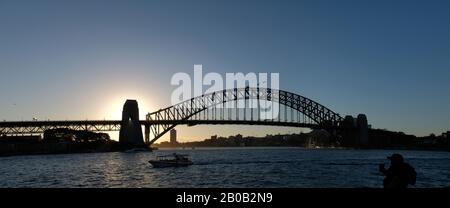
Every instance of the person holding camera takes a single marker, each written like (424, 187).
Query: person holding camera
(399, 175)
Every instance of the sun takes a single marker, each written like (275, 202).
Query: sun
(115, 106)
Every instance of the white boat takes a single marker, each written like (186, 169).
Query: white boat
(137, 150)
(173, 160)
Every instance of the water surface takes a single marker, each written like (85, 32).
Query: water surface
(221, 167)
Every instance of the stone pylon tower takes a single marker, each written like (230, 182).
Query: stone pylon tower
(363, 130)
(130, 128)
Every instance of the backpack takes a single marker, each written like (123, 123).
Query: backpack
(411, 174)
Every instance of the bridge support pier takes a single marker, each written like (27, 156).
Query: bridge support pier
(130, 128)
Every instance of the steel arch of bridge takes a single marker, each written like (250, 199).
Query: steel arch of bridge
(203, 110)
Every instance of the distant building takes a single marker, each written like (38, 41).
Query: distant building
(173, 136)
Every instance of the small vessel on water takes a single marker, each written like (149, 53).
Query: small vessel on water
(173, 160)
(138, 150)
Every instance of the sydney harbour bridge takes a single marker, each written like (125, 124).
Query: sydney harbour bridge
(207, 109)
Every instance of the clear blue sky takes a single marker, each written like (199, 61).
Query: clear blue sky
(82, 59)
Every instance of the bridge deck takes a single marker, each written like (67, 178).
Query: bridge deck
(36, 127)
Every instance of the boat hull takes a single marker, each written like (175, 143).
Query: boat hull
(165, 164)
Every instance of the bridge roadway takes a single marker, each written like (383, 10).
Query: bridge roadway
(38, 127)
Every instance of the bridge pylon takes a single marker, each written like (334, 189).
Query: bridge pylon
(130, 128)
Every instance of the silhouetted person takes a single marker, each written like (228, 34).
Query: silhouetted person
(399, 174)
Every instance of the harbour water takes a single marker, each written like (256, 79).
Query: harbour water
(222, 167)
